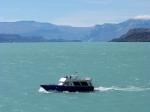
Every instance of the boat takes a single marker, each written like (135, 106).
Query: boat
(71, 83)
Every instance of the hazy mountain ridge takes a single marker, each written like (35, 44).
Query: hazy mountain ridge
(18, 38)
(105, 32)
(108, 32)
(4, 38)
(135, 35)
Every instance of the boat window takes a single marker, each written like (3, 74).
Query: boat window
(76, 83)
(90, 84)
(66, 84)
(84, 83)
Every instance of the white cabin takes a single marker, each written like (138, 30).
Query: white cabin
(74, 80)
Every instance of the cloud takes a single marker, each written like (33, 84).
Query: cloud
(145, 17)
(84, 18)
(74, 20)
(88, 18)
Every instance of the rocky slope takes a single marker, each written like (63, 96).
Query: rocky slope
(135, 35)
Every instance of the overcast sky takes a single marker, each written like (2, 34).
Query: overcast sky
(74, 12)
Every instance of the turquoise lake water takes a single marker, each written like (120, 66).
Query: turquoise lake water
(120, 72)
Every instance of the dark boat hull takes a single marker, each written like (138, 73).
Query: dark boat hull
(60, 88)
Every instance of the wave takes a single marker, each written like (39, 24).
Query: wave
(106, 89)
(115, 88)
(42, 90)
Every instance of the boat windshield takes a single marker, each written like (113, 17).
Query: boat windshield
(76, 83)
(84, 83)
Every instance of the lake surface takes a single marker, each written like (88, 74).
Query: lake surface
(120, 72)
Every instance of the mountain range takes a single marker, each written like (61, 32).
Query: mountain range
(135, 35)
(47, 31)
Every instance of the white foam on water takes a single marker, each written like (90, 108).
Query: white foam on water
(42, 90)
(66, 92)
(115, 88)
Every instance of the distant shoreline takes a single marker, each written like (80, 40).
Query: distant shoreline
(69, 42)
